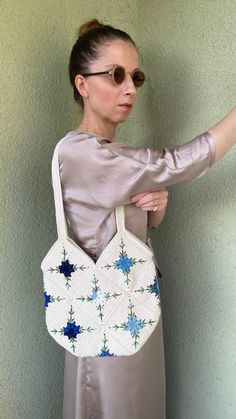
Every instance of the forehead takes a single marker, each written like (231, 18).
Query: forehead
(118, 52)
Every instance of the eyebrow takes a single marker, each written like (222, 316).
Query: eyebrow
(119, 65)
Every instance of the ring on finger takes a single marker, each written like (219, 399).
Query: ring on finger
(155, 208)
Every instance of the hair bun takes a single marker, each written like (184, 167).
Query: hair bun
(88, 26)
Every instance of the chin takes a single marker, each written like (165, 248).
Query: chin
(121, 119)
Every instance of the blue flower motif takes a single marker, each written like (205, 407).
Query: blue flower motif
(71, 330)
(66, 268)
(124, 263)
(133, 324)
(98, 297)
(105, 353)
(154, 288)
(47, 299)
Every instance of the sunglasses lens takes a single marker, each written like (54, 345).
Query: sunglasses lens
(119, 75)
(138, 78)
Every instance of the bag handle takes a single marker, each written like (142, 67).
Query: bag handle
(58, 199)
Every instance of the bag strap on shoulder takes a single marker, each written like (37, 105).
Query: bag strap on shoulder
(58, 199)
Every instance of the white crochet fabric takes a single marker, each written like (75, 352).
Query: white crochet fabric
(104, 308)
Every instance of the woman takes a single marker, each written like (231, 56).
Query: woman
(99, 174)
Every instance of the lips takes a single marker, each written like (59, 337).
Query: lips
(127, 106)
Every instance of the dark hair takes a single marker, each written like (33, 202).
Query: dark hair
(92, 35)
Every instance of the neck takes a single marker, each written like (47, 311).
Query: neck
(101, 128)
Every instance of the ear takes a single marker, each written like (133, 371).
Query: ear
(80, 83)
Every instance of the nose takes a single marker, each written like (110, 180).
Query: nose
(129, 86)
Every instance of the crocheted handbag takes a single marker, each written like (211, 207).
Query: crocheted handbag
(105, 308)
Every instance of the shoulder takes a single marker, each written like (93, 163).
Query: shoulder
(76, 145)
(74, 142)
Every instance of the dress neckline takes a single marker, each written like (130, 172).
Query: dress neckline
(92, 134)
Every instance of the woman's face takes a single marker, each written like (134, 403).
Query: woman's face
(106, 101)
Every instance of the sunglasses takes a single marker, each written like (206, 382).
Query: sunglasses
(118, 75)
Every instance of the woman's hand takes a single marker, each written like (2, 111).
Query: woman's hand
(151, 201)
(155, 202)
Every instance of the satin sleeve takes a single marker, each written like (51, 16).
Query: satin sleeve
(108, 174)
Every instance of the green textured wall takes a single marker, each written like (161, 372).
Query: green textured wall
(188, 49)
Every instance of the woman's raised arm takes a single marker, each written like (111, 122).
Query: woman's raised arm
(224, 134)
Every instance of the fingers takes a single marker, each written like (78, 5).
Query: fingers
(138, 196)
(147, 201)
(159, 205)
(149, 196)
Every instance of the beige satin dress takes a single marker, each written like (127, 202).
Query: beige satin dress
(97, 175)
